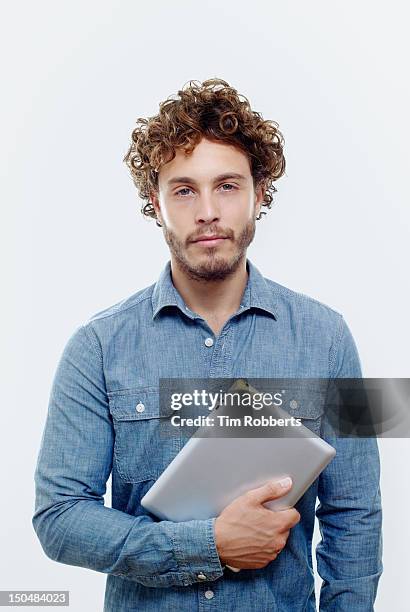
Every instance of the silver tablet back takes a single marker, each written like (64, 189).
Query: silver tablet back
(210, 472)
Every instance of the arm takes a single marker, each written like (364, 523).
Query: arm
(73, 466)
(349, 512)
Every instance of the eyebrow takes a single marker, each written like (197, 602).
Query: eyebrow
(220, 177)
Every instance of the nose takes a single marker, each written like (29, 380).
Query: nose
(208, 209)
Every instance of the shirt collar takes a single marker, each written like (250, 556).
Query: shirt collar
(257, 293)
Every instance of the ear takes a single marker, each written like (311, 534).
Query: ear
(156, 205)
(259, 197)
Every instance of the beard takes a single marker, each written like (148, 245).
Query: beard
(214, 266)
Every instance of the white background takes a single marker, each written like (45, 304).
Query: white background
(76, 75)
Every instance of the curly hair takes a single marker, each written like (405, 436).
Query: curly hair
(214, 110)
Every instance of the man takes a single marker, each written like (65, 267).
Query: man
(205, 167)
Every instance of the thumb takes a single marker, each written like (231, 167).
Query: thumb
(270, 490)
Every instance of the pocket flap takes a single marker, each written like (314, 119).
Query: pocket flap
(137, 404)
(305, 403)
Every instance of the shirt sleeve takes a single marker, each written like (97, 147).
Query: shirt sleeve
(349, 511)
(73, 466)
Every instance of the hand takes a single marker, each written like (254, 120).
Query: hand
(247, 534)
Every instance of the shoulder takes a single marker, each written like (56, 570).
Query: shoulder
(123, 318)
(316, 322)
(312, 321)
(125, 307)
(300, 304)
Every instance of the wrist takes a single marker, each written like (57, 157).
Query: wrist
(218, 541)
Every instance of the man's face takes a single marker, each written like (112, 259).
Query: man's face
(209, 192)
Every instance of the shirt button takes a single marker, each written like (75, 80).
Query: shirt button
(140, 407)
(201, 576)
(209, 342)
(209, 594)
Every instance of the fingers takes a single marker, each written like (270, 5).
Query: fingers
(294, 517)
(280, 542)
(270, 490)
(288, 519)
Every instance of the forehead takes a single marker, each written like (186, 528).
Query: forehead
(208, 159)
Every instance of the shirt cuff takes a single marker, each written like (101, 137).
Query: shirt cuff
(195, 550)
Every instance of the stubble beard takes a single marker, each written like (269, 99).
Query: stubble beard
(213, 265)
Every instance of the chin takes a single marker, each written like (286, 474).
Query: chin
(212, 268)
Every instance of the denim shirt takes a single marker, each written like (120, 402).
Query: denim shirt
(111, 364)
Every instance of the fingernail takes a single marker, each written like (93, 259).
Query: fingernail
(285, 482)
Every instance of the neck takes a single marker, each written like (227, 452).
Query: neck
(219, 298)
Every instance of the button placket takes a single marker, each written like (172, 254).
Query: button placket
(220, 361)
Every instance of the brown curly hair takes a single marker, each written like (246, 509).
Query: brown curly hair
(212, 109)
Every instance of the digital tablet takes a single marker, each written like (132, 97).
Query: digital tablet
(211, 471)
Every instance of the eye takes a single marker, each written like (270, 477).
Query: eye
(183, 191)
(179, 192)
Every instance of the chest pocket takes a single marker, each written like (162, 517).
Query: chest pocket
(308, 405)
(145, 440)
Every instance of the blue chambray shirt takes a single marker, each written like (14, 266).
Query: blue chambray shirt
(103, 418)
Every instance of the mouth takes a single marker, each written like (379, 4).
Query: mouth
(211, 241)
